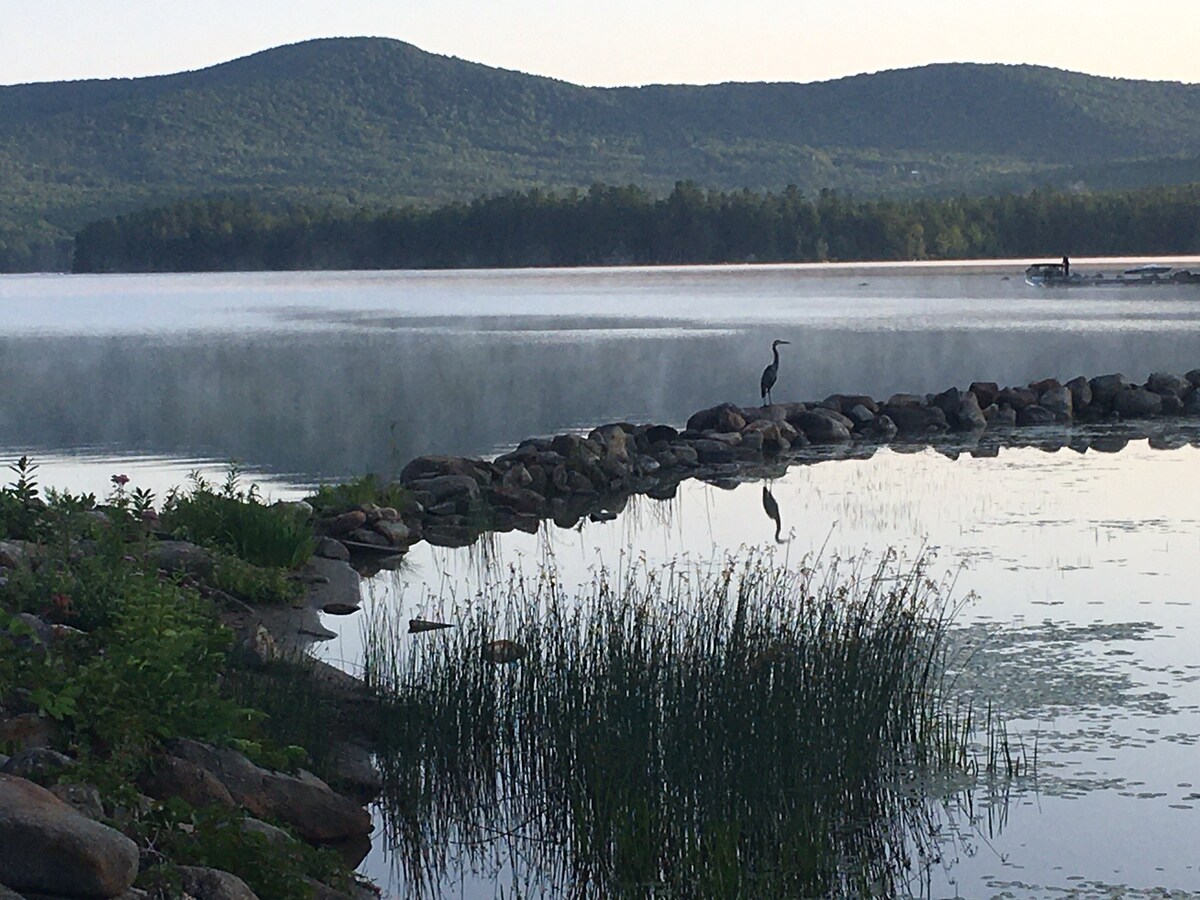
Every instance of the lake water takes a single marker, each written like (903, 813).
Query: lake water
(1081, 567)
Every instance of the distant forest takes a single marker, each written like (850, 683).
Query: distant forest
(628, 225)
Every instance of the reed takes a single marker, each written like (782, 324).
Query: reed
(723, 730)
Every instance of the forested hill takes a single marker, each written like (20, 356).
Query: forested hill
(366, 121)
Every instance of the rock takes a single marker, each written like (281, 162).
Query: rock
(1174, 385)
(83, 798)
(373, 538)
(13, 553)
(752, 441)
(656, 433)
(614, 439)
(25, 731)
(968, 416)
(425, 468)
(520, 500)
(303, 801)
(258, 648)
(1034, 415)
(822, 425)
(38, 764)
(843, 403)
(276, 837)
(213, 884)
(345, 523)
(516, 476)
(771, 438)
(1106, 387)
(1136, 402)
(461, 489)
(1017, 398)
(1081, 394)
(710, 452)
(861, 416)
(181, 556)
(337, 585)
(723, 417)
(329, 548)
(1000, 416)
(397, 534)
(503, 651)
(1059, 401)
(686, 455)
(47, 847)
(1194, 377)
(884, 428)
(1191, 406)
(1171, 405)
(985, 392)
(914, 419)
(352, 769)
(171, 776)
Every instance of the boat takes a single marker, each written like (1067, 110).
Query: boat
(1061, 275)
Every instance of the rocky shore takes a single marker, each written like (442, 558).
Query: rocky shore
(570, 477)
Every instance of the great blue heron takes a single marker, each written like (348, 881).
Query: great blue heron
(771, 373)
(771, 508)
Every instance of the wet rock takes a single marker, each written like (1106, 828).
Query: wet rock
(1136, 402)
(1034, 415)
(47, 847)
(337, 586)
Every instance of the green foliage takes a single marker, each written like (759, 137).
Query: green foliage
(217, 837)
(267, 585)
(626, 225)
(333, 499)
(20, 506)
(237, 520)
(356, 124)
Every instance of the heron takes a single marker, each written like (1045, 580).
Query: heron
(771, 508)
(770, 373)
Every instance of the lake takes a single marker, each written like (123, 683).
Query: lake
(1078, 569)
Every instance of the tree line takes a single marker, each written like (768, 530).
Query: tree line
(609, 225)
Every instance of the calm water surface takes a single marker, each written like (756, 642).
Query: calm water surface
(1081, 568)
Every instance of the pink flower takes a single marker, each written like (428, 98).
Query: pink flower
(120, 480)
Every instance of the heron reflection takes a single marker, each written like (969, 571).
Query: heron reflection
(771, 507)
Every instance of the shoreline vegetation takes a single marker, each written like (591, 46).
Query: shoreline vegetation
(157, 708)
(609, 225)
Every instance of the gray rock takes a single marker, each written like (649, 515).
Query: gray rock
(353, 770)
(709, 452)
(83, 798)
(1059, 401)
(732, 438)
(170, 776)
(1191, 406)
(47, 847)
(614, 439)
(1081, 394)
(1034, 415)
(330, 548)
(915, 419)
(425, 468)
(373, 538)
(1016, 397)
(1136, 402)
(276, 837)
(822, 425)
(1174, 385)
(336, 585)
(397, 534)
(213, 884)
(884, 428)
(180, 556)
(442, 488)
(985, 392)
(1106, 387)
(861, 416)
(656, 433)
(968, 416)
(723, 417)
(1000, 416)
(1194, 377)
(686, 455)
(521, 500)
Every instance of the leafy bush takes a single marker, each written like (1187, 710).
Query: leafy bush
(333, 499)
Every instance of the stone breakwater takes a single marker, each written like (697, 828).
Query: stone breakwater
(573, 476)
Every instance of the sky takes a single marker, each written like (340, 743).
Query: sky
(620, 42)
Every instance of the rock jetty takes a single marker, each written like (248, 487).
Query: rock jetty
(569, 477)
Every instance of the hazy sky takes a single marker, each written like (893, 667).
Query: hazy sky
(616, 42)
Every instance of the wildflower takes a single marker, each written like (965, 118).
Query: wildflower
(120, 480)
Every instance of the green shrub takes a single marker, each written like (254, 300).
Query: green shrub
(238, 521)
(330, 500)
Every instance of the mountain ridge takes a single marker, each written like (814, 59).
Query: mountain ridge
(352, 121)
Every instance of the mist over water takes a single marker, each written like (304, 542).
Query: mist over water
(321, 375)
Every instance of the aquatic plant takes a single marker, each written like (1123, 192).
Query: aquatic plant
(737, 729)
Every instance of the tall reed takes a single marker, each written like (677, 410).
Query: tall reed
(720, 730)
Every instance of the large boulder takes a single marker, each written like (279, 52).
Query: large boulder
(444, 488)
(1034, 415)
(711, 452)
(968, 416)
(426, 467)
(1081, 394)
(1016, 397)
(521, 500)
(614, 439)
(915, 418)
(46, 847)
(821, 425)
(985, 392)
(1165, 383)
(723, 417)
(1106, 387)
(214, 884)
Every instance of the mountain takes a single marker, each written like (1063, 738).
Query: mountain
(354, 121)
